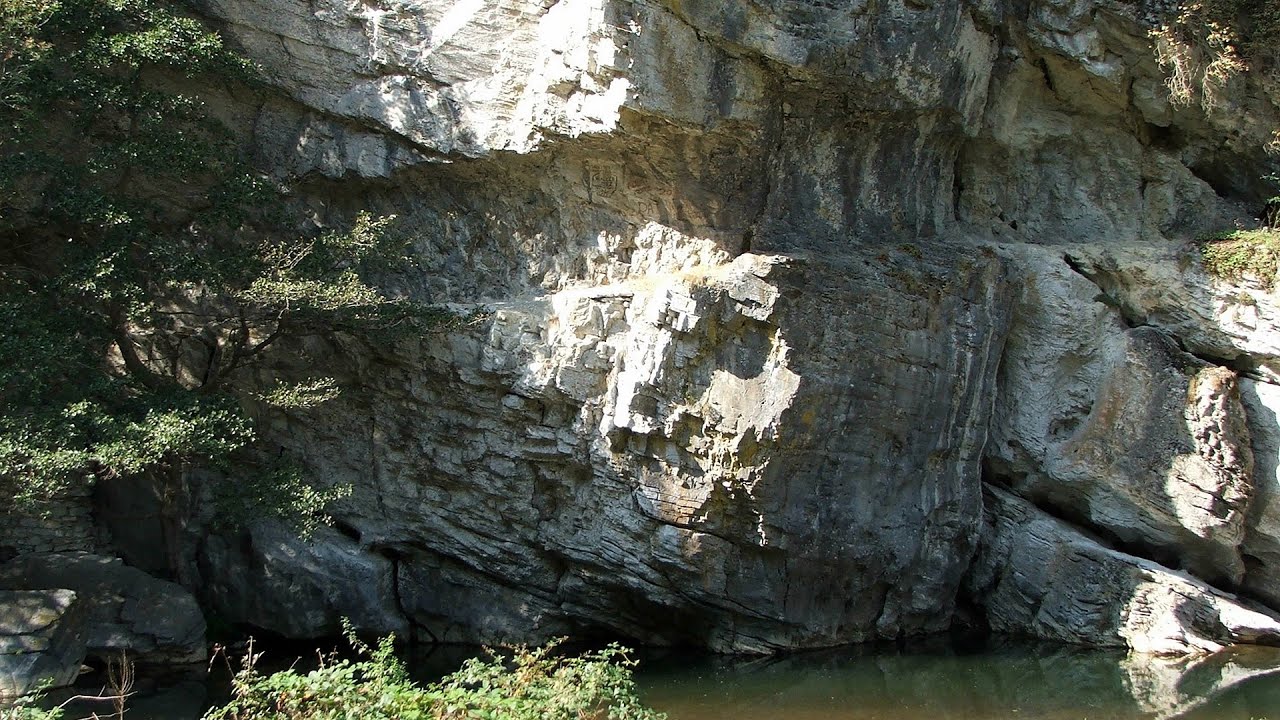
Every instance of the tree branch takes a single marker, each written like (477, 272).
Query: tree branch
(133, 363)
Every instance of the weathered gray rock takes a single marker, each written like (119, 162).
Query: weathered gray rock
(653, 438)
(708, 457)
(1036, 575)
(1230, 320)
(320, 581)
(1262, 543)
(1119, 429)
(42, 639)
(150, 620)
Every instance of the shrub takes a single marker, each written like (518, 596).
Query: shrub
(526, 684)
(24, 709)
(146, 266)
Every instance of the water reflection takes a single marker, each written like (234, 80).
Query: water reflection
(937, 680)
(177, 693)
(1003, 679)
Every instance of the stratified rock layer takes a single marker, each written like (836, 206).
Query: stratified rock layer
(760, 280)
(42, 640)
(1118, 428)
(1038, 575)
(658, 468)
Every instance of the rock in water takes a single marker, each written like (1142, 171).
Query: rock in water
(1036, 574)
(128, 611)
(42, 639)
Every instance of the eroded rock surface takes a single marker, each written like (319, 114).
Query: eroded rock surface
(147, 619)
(42, 640)
(1036, 574)
(658, 467)
(1118, 428)
(750, 271)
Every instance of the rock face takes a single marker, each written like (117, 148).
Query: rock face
(42, 639)
(128, 611)
(1119, 429)
(1039, 575)
(656, 467)
(770, 287)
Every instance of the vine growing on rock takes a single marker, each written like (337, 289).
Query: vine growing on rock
(143, 264)
(1202, 44)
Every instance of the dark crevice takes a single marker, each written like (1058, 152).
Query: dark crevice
(395, 557)
(1126, 315)
(347, 530)
(957, 185)
(1048, 77)
(1167, 557)
(1163, 137)
(1230, 177)
(1241, 364)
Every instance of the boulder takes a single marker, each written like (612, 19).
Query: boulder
(1036, 575)
(128, 611)
(42, 639)
(325, 579)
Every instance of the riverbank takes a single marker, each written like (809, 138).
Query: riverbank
(996, 679)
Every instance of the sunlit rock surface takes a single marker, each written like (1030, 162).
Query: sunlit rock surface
(1037, 574)
(656, 465)
(770, 287)
(1118, 428)
(42, 639)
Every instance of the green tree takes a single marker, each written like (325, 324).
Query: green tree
(143, 264)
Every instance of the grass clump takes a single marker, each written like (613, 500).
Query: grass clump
(527, 684)
(1243, 253)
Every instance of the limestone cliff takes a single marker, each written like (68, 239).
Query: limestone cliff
(776, 289)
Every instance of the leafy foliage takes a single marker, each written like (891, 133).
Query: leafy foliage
(301, 395)
(25, 709)
(280, 491)
(142, 264)
(527, 685)
(1204, 43)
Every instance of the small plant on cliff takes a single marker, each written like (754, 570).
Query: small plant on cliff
(1238, 254)
(524, 685)
(1202, 44)
(1242, 253)
(143, 264)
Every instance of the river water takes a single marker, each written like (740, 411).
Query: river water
(1000, 679)
(937, 681)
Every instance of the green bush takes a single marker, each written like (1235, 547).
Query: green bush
(23, 709)
(527, 684)
(146, 266)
